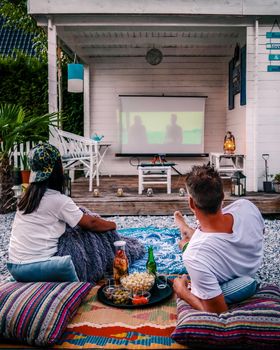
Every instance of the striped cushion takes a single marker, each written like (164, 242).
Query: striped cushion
(239, 289)
(254, 322)
(37, 313)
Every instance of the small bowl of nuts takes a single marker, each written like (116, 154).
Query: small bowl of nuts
(138, 281)
(120, 295)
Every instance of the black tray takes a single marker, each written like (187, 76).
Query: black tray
(157, 296)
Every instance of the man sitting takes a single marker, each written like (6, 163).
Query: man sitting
(228, 242)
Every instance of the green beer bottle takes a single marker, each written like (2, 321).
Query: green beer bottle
(151, 265)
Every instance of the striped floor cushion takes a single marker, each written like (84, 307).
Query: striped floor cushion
(37, 313)
(254, 322)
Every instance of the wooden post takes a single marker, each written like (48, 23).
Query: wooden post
(87, 130)
(52, 67)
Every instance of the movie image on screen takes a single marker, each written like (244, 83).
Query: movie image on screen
(164, 125)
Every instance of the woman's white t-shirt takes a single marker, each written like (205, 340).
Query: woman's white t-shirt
(214, 258)
(35, 236)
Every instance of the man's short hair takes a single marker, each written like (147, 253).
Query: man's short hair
(206, 188)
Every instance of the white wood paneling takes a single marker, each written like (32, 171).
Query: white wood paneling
(234, 7)
(185, 76)
(267, 117)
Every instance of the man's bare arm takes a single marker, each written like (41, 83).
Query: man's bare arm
(217, 304)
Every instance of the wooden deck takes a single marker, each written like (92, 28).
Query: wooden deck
(108, 204)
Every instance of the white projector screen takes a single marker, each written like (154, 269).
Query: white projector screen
(161, 125)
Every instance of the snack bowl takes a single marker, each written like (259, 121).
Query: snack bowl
(138, 281)
(140, 298)
(120, 295)
(108, 292)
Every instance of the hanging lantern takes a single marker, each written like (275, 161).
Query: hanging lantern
(75, 77)
(238, 184)
(229, 143)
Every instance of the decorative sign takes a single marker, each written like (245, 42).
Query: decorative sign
(272, 45)
(273, 35)
(273, 68)
(274, 57)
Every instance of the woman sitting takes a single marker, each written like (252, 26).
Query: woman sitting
(48, 224)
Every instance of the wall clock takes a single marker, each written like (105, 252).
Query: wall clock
(154, 56)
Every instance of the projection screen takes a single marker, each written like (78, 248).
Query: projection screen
(161, 125)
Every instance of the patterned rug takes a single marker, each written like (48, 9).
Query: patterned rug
(100, 326)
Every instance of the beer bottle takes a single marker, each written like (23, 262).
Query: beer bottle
(151, 265)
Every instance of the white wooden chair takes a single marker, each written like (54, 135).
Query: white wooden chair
(77, 153)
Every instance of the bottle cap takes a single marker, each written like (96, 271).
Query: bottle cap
(119, 243)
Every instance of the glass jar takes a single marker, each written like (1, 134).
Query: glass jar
(120, 265)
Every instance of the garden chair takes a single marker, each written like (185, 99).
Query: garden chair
(77, 153)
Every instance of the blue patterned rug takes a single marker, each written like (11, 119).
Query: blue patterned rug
(165, 245)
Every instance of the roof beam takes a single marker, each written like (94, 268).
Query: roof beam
(144, 22)
(129, 40)
(167, 52)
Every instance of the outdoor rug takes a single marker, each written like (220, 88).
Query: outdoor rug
(100, 326)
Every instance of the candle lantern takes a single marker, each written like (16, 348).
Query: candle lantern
(229, 143)
(238, 184)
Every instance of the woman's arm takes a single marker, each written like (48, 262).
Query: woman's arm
(97, 224)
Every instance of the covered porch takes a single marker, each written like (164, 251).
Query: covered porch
(197, 40)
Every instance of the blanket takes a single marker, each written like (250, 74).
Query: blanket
(93, 253)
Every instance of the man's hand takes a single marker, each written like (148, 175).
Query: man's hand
(217, 304)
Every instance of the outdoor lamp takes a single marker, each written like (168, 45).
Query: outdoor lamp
(229, 143)
(75, 77)
(238, 184)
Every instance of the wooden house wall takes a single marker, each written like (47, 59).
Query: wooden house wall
(187, 76)
(263, 106)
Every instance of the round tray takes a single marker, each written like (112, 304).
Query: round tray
(157, 296)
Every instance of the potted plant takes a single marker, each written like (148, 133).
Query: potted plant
(25, 171)
(276, 182)
(16, 126)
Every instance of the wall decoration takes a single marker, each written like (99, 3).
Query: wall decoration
(274, 34)
(237, 76)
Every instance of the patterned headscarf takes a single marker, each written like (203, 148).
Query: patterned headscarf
(42, 159)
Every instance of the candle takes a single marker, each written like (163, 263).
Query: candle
(238, 190)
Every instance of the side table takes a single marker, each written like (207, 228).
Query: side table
(154, 174)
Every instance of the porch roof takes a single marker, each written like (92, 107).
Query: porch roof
(129, 28)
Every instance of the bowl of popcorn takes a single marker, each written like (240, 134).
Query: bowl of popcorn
(138, 281)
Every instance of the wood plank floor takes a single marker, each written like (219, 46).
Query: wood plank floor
(161, 203)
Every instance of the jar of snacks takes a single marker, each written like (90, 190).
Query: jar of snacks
(120, 265)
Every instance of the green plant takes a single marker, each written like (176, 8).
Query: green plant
(276, 178)
(17, 126)
(24, 161)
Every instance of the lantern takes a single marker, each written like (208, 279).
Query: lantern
(238, 184)
(75, 77)
(229, 143)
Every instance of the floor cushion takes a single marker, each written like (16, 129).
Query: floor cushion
(254, 323)
(37, 313)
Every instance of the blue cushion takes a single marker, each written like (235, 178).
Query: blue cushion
(239, 289)
(55, 269)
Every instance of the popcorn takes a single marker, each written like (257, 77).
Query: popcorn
(138, 281)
